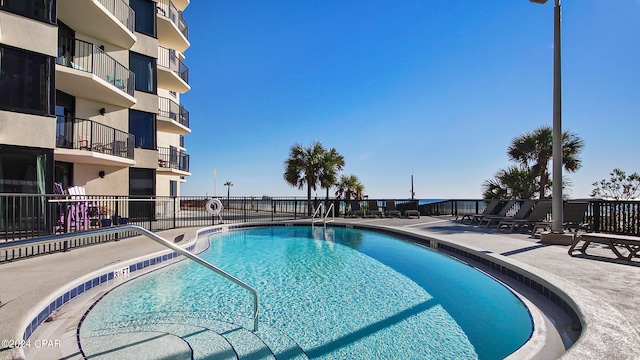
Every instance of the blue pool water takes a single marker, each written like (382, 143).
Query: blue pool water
(330, 294)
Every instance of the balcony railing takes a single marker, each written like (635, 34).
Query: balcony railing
(170, 158)
(121, 11)
(44, 10)
(85, 56)
(172, 110)
(82, 134)
(167, 9)
(167, 58)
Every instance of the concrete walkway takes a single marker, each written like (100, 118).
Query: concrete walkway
(603, 287)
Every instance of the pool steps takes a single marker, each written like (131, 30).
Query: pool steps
(191, 337)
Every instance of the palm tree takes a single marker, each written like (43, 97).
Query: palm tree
(512, 183)
(228, 184)
(332, 163)
(534, 151)
(304, 167)
(350, 186)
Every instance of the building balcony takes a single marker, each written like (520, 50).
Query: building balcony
(170, 160)
(84, 70)
(173, 31)
(172, 117)
(173, 75)
(90, 142)
(111, 21)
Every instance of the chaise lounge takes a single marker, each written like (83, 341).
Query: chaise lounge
(538, 214)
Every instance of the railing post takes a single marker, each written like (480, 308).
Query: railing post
(174, 211)
(596, 216)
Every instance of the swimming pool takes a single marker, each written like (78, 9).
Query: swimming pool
(334, 293)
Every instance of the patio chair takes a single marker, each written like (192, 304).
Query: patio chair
(374, 208)
(572, 218)
(355, 209)
(538, 214)
(60, 208)
(77, 216)
(390, 208)
(525, 207)
(501, 213)
(412, 209)
(489, 209)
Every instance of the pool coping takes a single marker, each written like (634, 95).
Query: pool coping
(600, 322)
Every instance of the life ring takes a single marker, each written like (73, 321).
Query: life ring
(214, 206)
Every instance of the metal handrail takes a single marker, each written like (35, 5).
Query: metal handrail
(313, 217)
(333, 215)
(323, 215)
(154, 237)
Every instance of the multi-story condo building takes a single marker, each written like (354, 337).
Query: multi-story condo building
(90, 96)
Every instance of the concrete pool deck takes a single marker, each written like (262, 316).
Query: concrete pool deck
(603, 287)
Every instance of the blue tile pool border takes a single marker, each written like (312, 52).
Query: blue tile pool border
(77, 290)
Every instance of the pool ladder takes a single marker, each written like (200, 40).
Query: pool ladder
(323, 217)
(142, 231)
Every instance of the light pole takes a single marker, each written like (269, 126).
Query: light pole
(556, 196)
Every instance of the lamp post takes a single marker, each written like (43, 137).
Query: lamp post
(556, 196)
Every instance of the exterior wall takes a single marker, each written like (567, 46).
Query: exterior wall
(27, 130)
(146, 158)
(28, 34)
(115, 181)
(146, 45)
(114, 116)
(146, 102)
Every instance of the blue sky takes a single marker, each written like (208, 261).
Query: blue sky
(437, 89)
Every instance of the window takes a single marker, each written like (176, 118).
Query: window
(63, 174)
(145, 16)
(142, 185)
(25, 170)
(26, 81)
(43, 10)
(143, 126)
(65, 113)
(173, 188)
(144, 68)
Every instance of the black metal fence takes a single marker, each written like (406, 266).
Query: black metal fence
(26, 216)
(608, 216)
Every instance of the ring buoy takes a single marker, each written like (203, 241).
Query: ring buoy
(214, 206)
